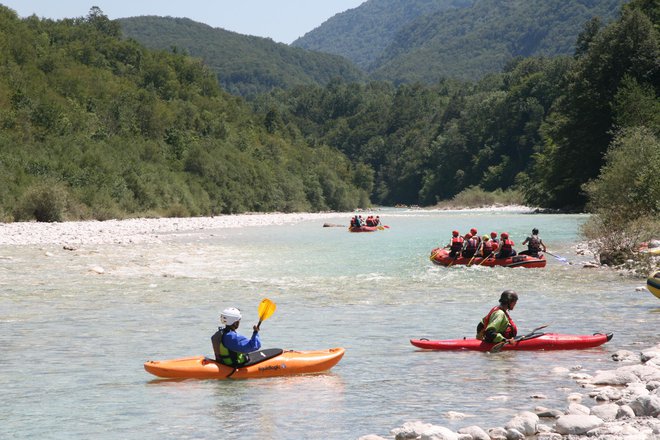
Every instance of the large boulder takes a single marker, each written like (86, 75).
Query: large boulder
(439, 433)
(606, 412)
(525, 423)
(646, 406)
(475, 432)
(574, 424)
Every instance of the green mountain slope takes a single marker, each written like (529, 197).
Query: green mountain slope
(471, 42)
(362, 34)
(245, 65)
(96, 126)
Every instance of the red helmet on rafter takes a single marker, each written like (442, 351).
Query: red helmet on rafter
(454, 233)
(505, 235)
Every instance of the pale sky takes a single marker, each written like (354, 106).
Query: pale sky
(281, 20)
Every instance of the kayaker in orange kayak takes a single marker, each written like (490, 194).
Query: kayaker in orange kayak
(497, 325)
(230, 347)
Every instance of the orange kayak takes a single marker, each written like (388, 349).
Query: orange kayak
(265, 363)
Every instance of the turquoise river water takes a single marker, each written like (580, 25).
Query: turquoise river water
(73, 342)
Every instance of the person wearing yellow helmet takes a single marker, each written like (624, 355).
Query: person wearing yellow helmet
(486, 246)
(230, 348)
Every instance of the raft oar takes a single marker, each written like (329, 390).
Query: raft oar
(475, 254)
(266, 309)
(498, 347)
(562, 259)
(482, 261)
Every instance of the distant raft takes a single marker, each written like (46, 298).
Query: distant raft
(362, 228)
(440, 256)
(653, 283)
(271, 362)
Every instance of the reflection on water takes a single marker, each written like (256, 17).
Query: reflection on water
(74, 340)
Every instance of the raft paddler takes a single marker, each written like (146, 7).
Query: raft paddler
(230, 348)
(497, 325)
(487, 248)
(534, 244)
(455, 245)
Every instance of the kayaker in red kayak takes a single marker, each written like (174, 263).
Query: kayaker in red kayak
(534, 244)
(230, 347)
(497, 325)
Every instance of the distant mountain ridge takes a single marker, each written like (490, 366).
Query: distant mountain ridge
(402, 41)
(424, 40)
(246, 65)
(362, 34)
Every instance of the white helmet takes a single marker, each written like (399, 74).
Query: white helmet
(230, 315)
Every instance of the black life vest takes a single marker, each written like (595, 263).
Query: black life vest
(534, 243)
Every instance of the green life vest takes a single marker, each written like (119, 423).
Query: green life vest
(227, 356)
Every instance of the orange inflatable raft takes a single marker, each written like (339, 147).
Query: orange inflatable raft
(264, 363)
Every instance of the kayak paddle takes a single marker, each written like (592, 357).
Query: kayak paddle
(562, 259)
(266, 309)
(498, 347)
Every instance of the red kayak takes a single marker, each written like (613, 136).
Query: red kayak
(441, 257)
(544, 341)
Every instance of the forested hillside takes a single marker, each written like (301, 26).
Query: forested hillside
(424, 40)
(93, 125)
(245, 65)
(471, 42)
(362, 34)
(543, 125)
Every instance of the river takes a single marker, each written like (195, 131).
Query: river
(73, 341)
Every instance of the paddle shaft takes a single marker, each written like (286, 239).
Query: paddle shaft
(498, 347)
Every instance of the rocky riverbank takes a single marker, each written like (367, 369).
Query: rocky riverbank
(618, 404)
(138, 230)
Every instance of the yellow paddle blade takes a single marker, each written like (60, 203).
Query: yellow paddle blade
(266, 309)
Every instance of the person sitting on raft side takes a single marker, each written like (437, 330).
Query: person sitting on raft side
(486, 247)
(471, 246)
(230, 348)
(455, 245)
(506, 246)
(497, 325)
(534, 244)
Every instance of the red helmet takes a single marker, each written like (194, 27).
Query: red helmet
(468, 236)
(473, 231)
(493, 235)
(454, 233)
(505, 235)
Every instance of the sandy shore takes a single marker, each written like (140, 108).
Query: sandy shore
(140, 230)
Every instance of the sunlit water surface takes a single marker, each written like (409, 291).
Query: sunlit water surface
(73, 341)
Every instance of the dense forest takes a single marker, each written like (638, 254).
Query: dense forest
(245, 65)
(426, 40)
(542, 125)
(362, 34)
(96, 126)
